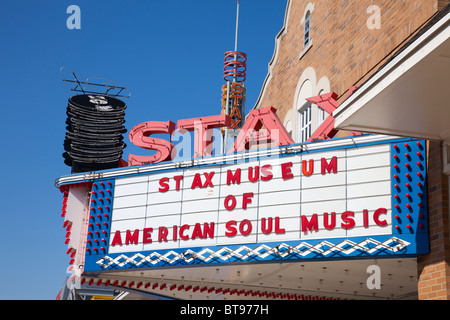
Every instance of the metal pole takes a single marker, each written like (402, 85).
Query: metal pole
(236, 39)
(237, 27)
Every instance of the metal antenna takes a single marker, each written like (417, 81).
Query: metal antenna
(237, 27)
(102, 87)
(236, 38)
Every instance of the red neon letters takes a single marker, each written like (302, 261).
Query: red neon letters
(202, 128)
(203, 134)
(328, 103)
(140, 136)
(275, 131)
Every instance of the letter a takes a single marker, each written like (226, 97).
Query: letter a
(374, 281)
(374, 21)
(117, 240)
(74, 21)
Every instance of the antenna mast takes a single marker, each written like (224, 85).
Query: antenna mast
(233, 92)
(237, 27)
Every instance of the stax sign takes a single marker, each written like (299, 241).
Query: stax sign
(236, 95)
(250, 133)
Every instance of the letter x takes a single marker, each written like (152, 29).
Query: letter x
(328, 103)
(208, 181)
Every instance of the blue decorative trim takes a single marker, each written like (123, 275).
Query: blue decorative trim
(309, 250)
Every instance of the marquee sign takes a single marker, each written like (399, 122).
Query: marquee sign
(362, 196)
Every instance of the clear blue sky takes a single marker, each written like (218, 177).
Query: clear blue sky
(170, 56)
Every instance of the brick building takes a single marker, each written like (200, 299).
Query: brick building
(338, 46)
(339, 69)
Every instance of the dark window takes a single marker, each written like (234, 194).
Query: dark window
(306, 38)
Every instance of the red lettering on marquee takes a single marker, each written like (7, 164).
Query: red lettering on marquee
(182, 229)
(132, 238)
(208, 182)
(245, 227)
(117, 240)
(269, 225)
(332, 166)
(147, 235)
(286, 172)
(197, 182)
(227, 204)
(376, 217)
(208, 230)
(310, 224)
(266, 172)
(246, 199)
(197, 233)
(175, 232)
(178, 182)
(347, 218)
(327, 225)
(231, 228)
(234, 178)
(253, 177)
(162, 234)
(305, 170)
(163, 182)
(255, 173)
(267, 229)
(230, 201)
(366, 218)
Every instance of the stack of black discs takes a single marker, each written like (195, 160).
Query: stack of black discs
(94, 137)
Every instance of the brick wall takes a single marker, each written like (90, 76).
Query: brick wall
(344, 49)
(434, 268)
(442, 3)
(347, 52)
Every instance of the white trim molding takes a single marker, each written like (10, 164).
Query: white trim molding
(318, 87)
(310, 8)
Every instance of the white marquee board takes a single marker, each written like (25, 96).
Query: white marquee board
(348, 200)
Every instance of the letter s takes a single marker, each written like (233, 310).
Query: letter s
(347, 218)
(140, 136)
(236, 88)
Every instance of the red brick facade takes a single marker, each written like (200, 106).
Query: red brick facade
(434, 268)
(347, 48)
(344, 50)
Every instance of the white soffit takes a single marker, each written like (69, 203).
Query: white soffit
(410, 95)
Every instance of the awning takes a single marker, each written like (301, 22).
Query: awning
(410, 94)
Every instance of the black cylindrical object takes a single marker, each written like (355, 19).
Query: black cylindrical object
(94, 137)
